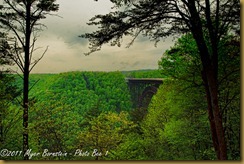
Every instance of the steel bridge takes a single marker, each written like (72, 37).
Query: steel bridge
(142, 90)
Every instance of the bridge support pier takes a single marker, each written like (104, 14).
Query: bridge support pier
(142, 90)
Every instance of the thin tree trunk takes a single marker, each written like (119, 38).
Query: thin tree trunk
(26, 81)
(25, 115)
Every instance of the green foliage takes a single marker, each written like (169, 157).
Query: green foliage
(143, 74)
(176, 127)
(11, 129)
(53, 126)
(89, 111)
(9, 112)
(63, 106)
(83, 90)
(229, 93)
(104, 133)
(132, 148)
(209, 23)
(181, 62)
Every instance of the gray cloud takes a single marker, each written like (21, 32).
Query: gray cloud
(66, 49)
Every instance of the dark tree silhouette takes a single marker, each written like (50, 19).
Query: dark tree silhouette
(21, 20)
(208, 21)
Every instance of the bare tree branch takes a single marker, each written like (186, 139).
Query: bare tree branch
(36, 61)
(32, 47)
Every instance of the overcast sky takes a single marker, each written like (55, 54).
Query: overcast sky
(66, 49)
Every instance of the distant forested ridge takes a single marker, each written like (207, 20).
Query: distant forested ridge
(83, 90)
(144, 73)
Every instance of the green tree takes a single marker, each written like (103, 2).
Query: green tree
(182, 62)
(131, 148)
(104, 133)
(177, 121)
(9, 117)
(208, 21)
(55, 127)
(8, 95)
(22, 19)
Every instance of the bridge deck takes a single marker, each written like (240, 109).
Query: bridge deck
(144, 80)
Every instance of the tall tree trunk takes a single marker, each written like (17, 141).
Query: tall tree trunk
(26, 80)
(213, 89)
(209, 77)
(211, 117)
